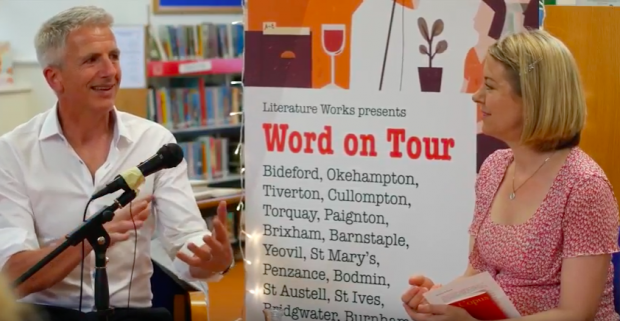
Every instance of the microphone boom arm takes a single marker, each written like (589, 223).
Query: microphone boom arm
(93, 231)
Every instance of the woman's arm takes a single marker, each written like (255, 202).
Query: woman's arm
(590, 233)
(582, 283)
(582, 280)
(469, 271)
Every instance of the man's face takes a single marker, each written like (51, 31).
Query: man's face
(89, 74)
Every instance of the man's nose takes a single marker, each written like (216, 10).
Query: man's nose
(108, 68)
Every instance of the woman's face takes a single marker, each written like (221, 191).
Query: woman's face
(502, 108)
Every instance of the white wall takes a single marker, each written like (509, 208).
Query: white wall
(20, 19)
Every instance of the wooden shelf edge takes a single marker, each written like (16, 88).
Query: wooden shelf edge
(231, 200)
(15, 89)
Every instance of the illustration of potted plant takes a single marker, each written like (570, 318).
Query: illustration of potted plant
(430, 77)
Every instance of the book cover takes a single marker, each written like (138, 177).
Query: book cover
(479, 293)
(481, 307)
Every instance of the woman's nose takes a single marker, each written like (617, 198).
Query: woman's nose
(477, 97)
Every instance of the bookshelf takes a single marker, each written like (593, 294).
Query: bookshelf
(192, 72)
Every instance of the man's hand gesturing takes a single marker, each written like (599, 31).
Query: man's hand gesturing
(122, 224)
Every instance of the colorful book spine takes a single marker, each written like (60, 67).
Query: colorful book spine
(190, 42)
(207, 158)
(181, 108)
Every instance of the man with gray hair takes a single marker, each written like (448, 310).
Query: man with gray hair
(52, 164)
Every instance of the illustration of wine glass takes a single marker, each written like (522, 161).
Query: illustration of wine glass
(333, 39)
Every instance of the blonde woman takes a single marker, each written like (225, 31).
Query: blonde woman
(545, 220)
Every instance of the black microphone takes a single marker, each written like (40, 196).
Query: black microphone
(168, 156)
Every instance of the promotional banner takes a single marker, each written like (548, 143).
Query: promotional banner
(361, 148)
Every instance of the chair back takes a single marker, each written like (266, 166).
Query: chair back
(615, 258)
(166, 287)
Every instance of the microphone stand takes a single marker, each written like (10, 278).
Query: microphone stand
(93, 231)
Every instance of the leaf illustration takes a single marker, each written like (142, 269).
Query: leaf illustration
(424, 29)
(442, 46)
(423, 50)
(437, 27)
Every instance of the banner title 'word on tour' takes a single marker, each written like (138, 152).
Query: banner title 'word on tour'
(278, 138)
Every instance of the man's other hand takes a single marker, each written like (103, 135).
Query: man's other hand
(216, 255)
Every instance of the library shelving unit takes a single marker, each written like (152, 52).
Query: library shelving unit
(194, 89)
(194, 74)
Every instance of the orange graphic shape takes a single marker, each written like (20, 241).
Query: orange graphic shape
(311, 14)
(406, 3)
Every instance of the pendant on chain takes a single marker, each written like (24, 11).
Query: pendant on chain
(512, 196)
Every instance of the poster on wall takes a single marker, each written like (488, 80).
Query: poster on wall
(361, 148)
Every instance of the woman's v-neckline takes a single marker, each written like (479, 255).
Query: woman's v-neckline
(542, 204)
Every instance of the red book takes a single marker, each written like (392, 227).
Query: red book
(481, 307)
(480, 295)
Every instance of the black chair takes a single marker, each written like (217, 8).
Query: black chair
(616, 261)
(184, 301)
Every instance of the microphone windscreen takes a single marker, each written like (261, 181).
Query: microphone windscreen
(172, 155)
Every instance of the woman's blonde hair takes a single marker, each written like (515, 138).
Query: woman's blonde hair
(543, 72)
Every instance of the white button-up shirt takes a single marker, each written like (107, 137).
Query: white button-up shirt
(44, 187)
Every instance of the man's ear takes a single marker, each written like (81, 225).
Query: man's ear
(54, 78)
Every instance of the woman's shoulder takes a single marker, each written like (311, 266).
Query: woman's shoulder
(492, 172)
(580, 164)
(582, 170)
(496, 163)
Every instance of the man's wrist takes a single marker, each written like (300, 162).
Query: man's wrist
(232, 264)
(201, 273)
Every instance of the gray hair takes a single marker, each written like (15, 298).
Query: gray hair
(51, 37)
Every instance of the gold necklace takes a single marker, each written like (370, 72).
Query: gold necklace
(513, 195)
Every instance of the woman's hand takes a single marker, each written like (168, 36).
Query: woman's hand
(414, 296)
(438, 312)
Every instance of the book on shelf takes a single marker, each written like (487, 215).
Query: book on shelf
(230, 226)
(191, 107)
(206, 157)
(479, 295)
(192, 42)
